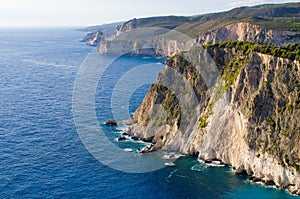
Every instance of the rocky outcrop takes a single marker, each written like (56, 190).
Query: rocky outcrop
(247, 117)
(111, 122)
(97, 37)
(244, 31)
(94, 38)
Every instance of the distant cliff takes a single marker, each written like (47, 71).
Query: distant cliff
(241, 31)
(271, 24)
(245, 31)
(156, 46)
(94, 38)
(248, 118)
(100, 33)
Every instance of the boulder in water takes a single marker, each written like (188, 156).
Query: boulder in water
(122, 138)
(111, 122)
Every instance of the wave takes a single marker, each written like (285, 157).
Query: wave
(169, 156)
(216, 164)
(123, 129)
(172, 173)
(199, 167)
(128, 150)
(170, 164)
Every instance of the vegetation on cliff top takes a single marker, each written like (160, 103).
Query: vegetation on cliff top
(291, 51)
(270, 16)
(229, 71)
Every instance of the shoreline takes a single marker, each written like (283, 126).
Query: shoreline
(219, 163)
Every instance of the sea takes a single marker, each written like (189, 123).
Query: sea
(42, 154)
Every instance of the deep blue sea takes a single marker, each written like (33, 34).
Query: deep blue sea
(41, 154)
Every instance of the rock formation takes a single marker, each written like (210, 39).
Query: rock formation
(244, 31)
(94, 38)
(246, 117)
(236, 101)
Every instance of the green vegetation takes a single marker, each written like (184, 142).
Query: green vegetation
(289, 52)
(168, 22)
(285, 132)
(169, 102)
(274, 17)
(282, 109)
(298, 105)
(232, 70)
(203, 121)
(290, 107)
(271, 122)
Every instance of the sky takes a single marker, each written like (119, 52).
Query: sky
(31, 13)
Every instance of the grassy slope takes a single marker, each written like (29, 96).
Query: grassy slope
(271, 16)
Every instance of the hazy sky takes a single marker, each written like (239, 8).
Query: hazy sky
(92, 12)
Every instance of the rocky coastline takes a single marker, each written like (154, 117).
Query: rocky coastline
(240, 110)
(245, 122)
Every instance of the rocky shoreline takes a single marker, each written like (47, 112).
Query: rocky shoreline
(246, 117)
(276, 176)
(251, 171)
(227, 133)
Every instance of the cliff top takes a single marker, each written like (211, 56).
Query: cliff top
(269, 16)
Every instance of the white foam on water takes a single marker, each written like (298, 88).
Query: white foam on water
(124, 129)
(216, 164)
(170, 164)
(169, 156)
(171, 174)
(199, 167)
(128, 150)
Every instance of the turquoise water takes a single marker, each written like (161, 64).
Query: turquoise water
(41, 153)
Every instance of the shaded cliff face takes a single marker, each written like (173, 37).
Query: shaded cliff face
(248, 118)
(244, 31)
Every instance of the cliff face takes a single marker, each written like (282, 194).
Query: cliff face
(94, 38)
(163, 45)
(156, 46)
(247, 117)
(105, 32)
(266, 24)
(244, 31)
